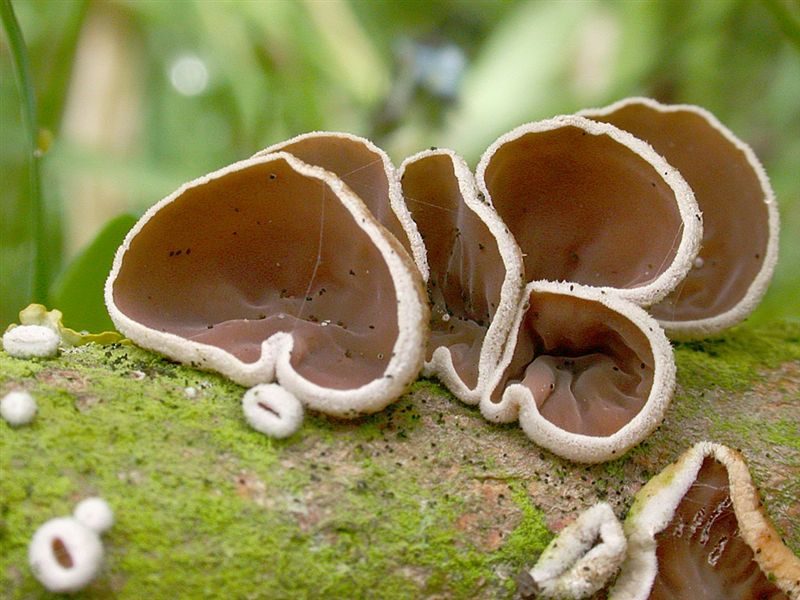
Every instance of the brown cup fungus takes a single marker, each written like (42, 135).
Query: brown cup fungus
(740, 237)
(273, 269)
(587, 374)
(591, 204)
(475, 276)
(698, 530)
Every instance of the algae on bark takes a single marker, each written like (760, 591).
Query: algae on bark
(423, 499)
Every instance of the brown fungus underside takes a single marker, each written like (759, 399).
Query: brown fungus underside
(466, 268)
(589, 368)
(701, 554)
(584, 208)
(260, 250)
(730, 195)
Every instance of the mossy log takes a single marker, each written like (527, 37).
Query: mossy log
(425, 499)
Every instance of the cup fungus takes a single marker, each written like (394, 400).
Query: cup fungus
(65, 555)
(272, 410)
(698, 530)
(17, 408)
(588, 374)
(274, 269)
(580, 560)
(31, 341)
(369, 172)
(591, 204)
(740, 216)
(475, 276)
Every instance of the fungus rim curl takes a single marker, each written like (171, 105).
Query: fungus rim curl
(583, 557)
(276, 351)
(395, 193)
(690, 215)
(517, 401)
(698, 328)
(496, 336)
(656, 503)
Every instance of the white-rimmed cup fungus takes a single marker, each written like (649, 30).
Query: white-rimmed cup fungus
(31, 341)
(588, 374)
(272, 269)
(592, 204)
(94, 513)
(65, 555)
(272, 410)
(18, 407)
(475, 278)
(740, 214)
(698, 530)
(584, 556)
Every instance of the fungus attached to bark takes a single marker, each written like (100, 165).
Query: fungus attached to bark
(65, 555)
(588, 374)
(31, 341)
(580, 560)
(272, 268)
(475, 270)
(592, 204)
(698, 530)
(18, 407)
(740, 215)
(272, 410)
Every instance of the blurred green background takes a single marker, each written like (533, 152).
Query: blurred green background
(136, 97)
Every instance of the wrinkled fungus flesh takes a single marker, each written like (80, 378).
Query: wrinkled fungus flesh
(698, 530)
(740, 217)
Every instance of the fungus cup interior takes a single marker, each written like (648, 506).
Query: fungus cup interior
(259, 250)
(584, 208)
(466, 268)
(728, 192)
(701, 553)
(589, 368)
(360, 167)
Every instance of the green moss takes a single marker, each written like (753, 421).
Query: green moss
(204, 503)
(733, 360)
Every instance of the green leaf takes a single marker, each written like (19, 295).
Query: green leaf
(78, 292)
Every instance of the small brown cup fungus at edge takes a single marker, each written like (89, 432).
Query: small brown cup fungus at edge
(475, 277)
(273, 269)
(740, 215)
(592, 204)
(588, 374)
(698, 530)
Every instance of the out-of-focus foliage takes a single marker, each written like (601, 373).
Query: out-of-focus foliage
(136, 97)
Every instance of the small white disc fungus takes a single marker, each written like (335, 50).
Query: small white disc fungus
(94, 513)
(272, 410)
(65, 555)
(29, 341)
(18, 408)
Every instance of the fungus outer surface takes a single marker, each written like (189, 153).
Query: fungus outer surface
(475, 268)
(698, 530)
(31, 341)
(582, 558)
(94, 513)
(65, 555)
(740, 215)
(272, 268)
(18, 407)
(587, 374)
(272, 410)
(591, 204)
